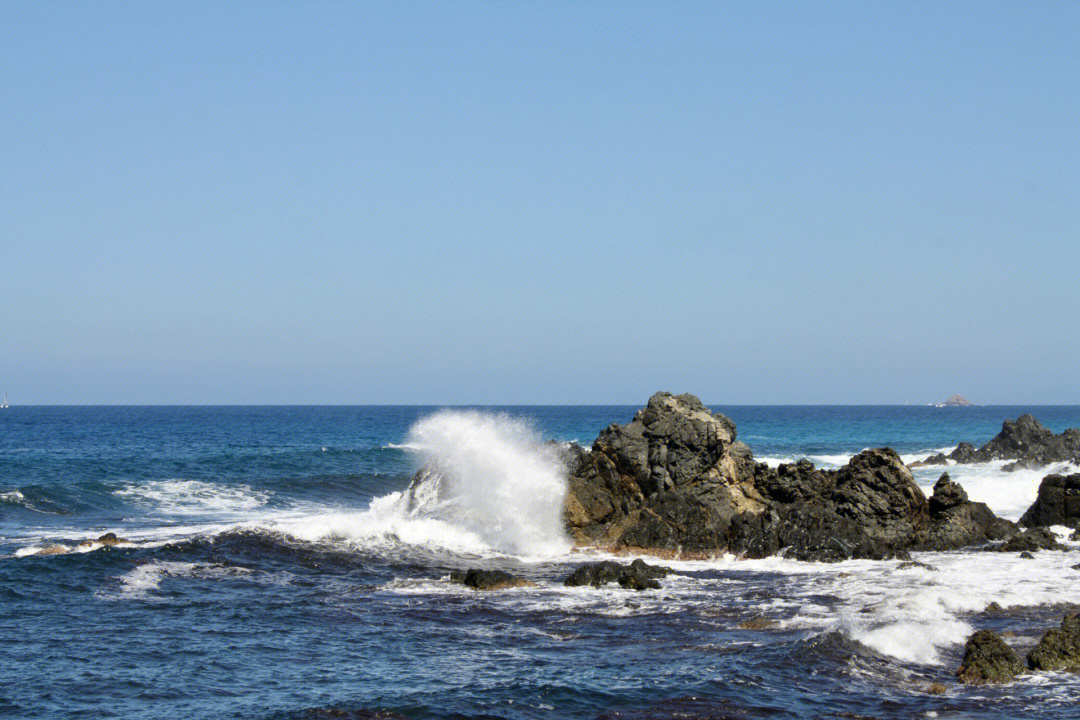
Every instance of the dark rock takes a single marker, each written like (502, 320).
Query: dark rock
(108, 540)
(964, 453)
(938, 459)
(913, 564)
(1026, 442)
(936, 689)
(489, 579)
(1030, 540)
(1058, 503)
(994, 608)
(638, 575)
(674, 480)
(987, 659)
(954, 521)
(1026, 556)
(1059, 648)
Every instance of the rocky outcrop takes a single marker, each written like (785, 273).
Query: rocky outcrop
(638, 575)
(676, 481)
(957, 401)
(1059, 648)
(1028, 541)
(1024, 441)
(954, 521)
(489, 579)
(938, 459)
(987, 659)
(1058, 503)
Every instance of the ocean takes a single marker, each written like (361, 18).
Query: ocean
(271, 570)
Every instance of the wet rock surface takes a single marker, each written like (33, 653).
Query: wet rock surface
(1025, 442)
(638, 575)
(1058, 503)
(988, 659)
(676, 481)
(489, 579)
(1059, 648)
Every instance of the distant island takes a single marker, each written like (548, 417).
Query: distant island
(955, 400)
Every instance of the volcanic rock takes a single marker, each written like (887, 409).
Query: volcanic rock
(676, 481)
(1059, 648)
(638, 575)
(954, 521)
(1026, 442)
(987, 659)
(1058, 503)
(489, 579)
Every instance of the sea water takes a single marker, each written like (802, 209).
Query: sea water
(274, 566)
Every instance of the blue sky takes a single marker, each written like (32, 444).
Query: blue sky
(539, 202)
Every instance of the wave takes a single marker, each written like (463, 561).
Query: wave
(496, 487)
(195, 497)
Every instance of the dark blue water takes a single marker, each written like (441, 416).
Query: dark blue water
(259, 584)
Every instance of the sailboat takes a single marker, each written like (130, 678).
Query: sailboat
(4, 404)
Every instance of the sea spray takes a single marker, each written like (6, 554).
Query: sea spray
(492, 476)
(489, 484)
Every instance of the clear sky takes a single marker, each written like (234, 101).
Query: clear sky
(423, 202)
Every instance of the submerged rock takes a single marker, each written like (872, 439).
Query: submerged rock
(638, 575)
(675, 480)
(760, 622)
(108, 540)
(1059, 648)
(53, 550)
(987, 659)
(489, 579)
(1058, 503)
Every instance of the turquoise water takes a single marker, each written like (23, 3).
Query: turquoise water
(269, 575)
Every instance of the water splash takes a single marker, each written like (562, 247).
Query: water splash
(492, 476)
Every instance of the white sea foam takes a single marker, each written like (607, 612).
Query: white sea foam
(144, 579)
(195, 497)
(498, 489)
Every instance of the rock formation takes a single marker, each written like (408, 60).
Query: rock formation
(1059, 648)
(1024, 441)
(957, 401)
(489, 579)
(676, 481)
(638, 575)
(987, 659)
(1058, 503)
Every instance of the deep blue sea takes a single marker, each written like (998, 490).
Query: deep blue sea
(269, 571)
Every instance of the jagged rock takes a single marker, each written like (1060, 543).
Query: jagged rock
(1026, 555)
(938, 459)
(913, 564)
(1058, 503)
(1030, 540)
(994, 607)
(964, 453)
(489, 579)
(954, 521)
(1026, 442)
(675, 480)
(987, 659)
(638, 575)
(1059, 648)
